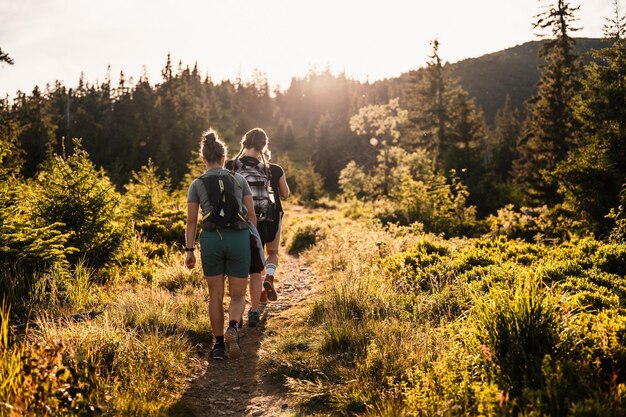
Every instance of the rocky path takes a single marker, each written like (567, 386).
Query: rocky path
(239, 387)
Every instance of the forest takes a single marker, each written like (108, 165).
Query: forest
(489, 276)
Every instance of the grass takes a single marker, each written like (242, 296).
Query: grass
(133, 360)
(405, 324)
(410, 324)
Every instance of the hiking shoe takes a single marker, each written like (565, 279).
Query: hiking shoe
(254, 318)
(268, 284)
(263, 300)
(218, 352)
(231, 338)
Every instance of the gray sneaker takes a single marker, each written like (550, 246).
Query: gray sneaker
(231, 339)
(254, 318)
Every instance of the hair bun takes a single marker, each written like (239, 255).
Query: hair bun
(209, 138)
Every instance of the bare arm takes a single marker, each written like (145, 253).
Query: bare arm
(283, 188)
(247, 200)
(190, 233)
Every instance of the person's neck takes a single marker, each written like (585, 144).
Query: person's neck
(212, 166)
(252, 152)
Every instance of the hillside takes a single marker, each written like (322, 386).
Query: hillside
(513, 71)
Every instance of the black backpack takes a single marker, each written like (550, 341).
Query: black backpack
(225, 211)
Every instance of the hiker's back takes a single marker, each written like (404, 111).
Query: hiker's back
(220, 193)
(258, 177)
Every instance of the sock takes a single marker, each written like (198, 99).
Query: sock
(270, 269)
(233, 323)
(219, 340)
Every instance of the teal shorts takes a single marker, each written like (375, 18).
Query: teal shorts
(227, 254)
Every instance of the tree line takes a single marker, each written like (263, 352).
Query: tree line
(563, 150)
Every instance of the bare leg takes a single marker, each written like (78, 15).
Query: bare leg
(237, 289)
(216, 299)
(256, 286)
(272, 247)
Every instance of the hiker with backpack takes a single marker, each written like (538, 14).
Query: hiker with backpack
(268, 185)
(227, 212)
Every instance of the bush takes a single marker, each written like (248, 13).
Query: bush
(539, 224)
(167, 226)
(406, 190)
(307, 184)
(71, 193)
(517, 330)
(27, 250)
(304, 236)
(36, 380)
(157, 215)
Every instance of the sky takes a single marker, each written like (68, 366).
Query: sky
(367, 39)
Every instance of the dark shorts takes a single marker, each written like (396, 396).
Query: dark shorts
(267, 232)
(227, 254)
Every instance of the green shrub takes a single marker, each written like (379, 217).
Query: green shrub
(26, 250)
(410, 269)
(303, 236)
(517, 330)
(406, 190)
(38, 380)
(146, 193)
(156, 213)
(70, 191)
(611, 258)
(167, 226)
(618, 233)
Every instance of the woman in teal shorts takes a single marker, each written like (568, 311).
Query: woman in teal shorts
(225, 250)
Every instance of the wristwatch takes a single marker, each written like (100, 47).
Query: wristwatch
(190, 249)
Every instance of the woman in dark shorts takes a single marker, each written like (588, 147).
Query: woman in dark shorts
(254, 151)
(224, 251)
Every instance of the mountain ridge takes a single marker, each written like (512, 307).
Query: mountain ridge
(513, 71)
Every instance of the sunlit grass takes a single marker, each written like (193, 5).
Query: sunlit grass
(413, 325)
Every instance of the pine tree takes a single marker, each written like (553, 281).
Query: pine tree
(38, 131)
(428, 105)
(4, 57)
(506, 132)
(466, 135)
(71, 195)
(550, 126)
(594, 173)
(167, 71)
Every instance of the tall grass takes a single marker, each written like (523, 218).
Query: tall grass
(516, 329)
(410, 324)
(131, 361)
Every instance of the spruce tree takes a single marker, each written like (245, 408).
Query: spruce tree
(594, 173)
(4, 57)
(549, 128)
(466, 135)
(506, 132)
(428, 104)
(38, 132)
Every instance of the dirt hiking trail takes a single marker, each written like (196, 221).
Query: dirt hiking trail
(240, 387)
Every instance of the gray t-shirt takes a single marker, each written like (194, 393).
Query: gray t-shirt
(197, 192)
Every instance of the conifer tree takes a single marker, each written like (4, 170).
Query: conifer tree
(38, 133)
(73, 196)
(24, 246)
(4, 57)
(428, 105)
(466, 135)
(594, 173)
(506, 132)
(549, 128)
